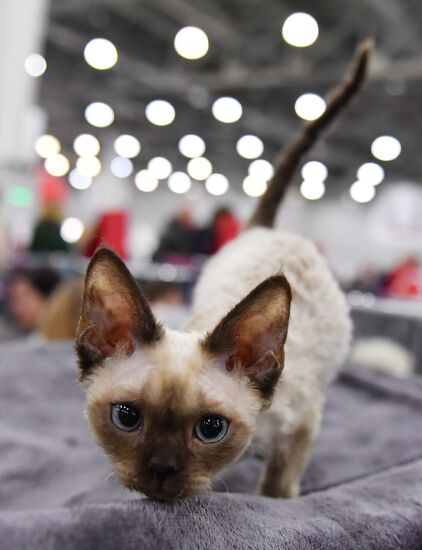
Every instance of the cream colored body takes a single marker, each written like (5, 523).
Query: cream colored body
(319, 327)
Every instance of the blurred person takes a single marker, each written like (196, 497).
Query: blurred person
(61, 313)
(225, 227)
(181, 239)
(405, 280)
(46, 236)
(28, 292)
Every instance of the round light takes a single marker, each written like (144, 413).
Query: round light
(362, 192)
(199, 168)
(160, 112)
(300, 30)
(86, 145)
(101, 54)
(227, 109)
(191, 43)
(88, 166)
(217, 184)
(179, 182)
(145, 181)
(314, 171)
(160, 167)
(72, 230)
(309, 106)
(371, 173)
(386, 148)
(35, 65)
(261, 169)
(250, 147)
(99, 114)
(127, 146)
(191, 146)
(47, 146)
(78, 181)
(58, 165)
(121, 167)
(254, 186)
(312, 189)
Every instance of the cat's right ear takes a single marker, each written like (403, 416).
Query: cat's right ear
(116, 317)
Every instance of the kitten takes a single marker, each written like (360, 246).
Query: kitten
(171, 408)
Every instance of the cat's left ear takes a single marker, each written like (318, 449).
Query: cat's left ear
(115, 315)
(251, 337)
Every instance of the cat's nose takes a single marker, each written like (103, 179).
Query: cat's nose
(162, 466)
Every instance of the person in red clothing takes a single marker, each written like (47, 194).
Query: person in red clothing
(405, 280)
(225, 227)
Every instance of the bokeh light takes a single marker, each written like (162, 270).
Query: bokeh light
(217, 184)
(99, 114)
(160, 112)
(310, 106)
(227, 109)
(145, 181)
(192, 146)
(179, 182)
(101, 54)
(191, 43)
(300, 30)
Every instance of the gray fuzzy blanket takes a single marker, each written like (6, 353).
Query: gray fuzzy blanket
(362, 489)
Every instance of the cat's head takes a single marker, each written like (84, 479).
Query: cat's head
(170, 408)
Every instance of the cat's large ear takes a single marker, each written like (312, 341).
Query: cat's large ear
(250, 338)
(115, 315)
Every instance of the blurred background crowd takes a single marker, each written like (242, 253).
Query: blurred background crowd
(151, 126)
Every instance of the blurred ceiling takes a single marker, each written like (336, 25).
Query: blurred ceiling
(248, 60)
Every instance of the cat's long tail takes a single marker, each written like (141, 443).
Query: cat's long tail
(285, 166)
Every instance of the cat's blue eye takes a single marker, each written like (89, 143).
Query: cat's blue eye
(125, 417)
(211, 428)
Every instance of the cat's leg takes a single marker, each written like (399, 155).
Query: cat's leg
(288, 460)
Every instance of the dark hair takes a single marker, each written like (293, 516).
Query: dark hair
(43, 279)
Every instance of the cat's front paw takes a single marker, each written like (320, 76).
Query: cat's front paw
(271, 489)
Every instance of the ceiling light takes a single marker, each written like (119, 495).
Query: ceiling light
(227, 109)
(217, 184)
(78, 181)
(99, 114)
(179, 182)
(199, 168)
(309, 106)
(101, 54)
(191, 43)
(88, 166)
(312, 189)
(191, 146)
(145, 181)
(254, 186)
(362, 192)
(250, 147)
(386, 148)
(47, 146)
(371, 173)
(86, 145)
(160, 167)
(160, 112)
(58, 165)
(121, 167)
(35, 65)
(127, 146)
(300, 30)
(71, 230)
(314, 171)
(261, 169)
